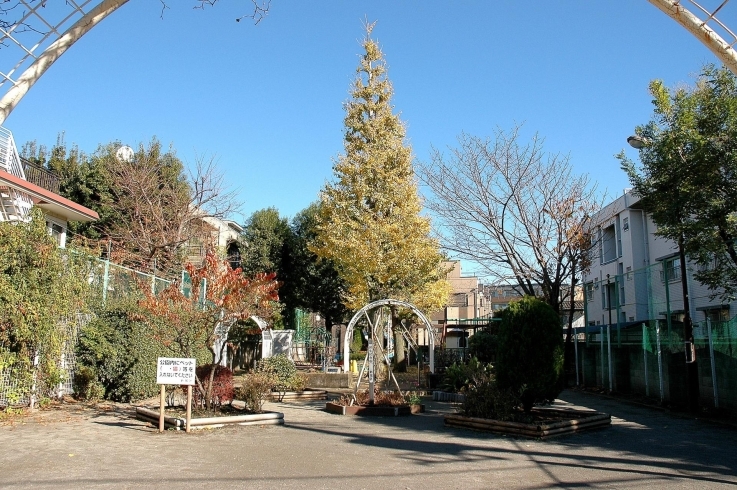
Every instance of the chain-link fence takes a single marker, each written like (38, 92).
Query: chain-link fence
(634, 338)
(109, 282)
(19, 390)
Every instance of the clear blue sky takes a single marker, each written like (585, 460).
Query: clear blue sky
(266, 100)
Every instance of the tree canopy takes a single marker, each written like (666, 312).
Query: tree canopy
(310, 282)
(263, 240)
(369, 223)
(687, 179)
(150, 206)
(517, 211)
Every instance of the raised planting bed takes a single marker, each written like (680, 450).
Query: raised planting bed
(371, 410)
(179, 423)
(550, 423)
(289, 396)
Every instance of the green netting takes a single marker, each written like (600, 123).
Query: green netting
(634, 339)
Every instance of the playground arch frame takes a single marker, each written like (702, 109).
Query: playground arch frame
(363, 312)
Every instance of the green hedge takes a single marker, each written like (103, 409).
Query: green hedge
(118, 346)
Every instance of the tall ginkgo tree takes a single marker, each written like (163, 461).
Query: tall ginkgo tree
(369, 223)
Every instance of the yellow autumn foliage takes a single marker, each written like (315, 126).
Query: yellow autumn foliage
(370, 224)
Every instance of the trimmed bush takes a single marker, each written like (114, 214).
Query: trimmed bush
(85, 384)
(256, 388)
(482, 345)
(487, 400)
(357, 341)
(287, 378)
(222, 386)
(530, 352)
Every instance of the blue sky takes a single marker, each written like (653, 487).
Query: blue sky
(266, 100)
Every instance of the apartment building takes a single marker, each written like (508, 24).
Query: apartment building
(467, 309)
(635, 275)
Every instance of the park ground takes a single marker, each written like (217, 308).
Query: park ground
(83, 446)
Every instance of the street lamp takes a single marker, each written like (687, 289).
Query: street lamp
(637, 142)
(692, 372)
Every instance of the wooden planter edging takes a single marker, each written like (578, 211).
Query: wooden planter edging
(580, 420)
(178, 423)
(368, 411)
(298, 395)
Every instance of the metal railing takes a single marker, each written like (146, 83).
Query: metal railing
(41, 177)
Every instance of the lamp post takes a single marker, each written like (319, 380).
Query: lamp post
(692, 370)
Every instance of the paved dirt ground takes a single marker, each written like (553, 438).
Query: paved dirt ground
(80, 447)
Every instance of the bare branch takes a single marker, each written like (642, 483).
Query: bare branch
(513, 209)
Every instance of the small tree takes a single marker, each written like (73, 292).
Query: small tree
(687, 179)
(219, 296)
(530, 351)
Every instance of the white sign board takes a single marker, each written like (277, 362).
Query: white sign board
(175, 371)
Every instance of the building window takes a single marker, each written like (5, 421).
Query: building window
(234, 255)
(625, 224)
(710, 265)
(608, 244)
(717, 315)
(590, 291)
(672, 270)
(57, 231)
(608, 292)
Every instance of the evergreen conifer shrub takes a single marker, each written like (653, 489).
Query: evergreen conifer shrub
(530, 352)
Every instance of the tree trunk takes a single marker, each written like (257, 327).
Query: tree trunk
(400, 360)
(569, 330)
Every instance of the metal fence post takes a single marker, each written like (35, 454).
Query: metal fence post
(660, 360)
(667, 298)
(601, 343)
(575, 350)
(713, 364)
(644, 357)
(609, 353)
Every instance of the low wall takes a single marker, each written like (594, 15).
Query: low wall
(329, 380)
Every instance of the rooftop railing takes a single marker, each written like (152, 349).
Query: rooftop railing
(40, 176)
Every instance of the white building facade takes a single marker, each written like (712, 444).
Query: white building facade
(635, 276)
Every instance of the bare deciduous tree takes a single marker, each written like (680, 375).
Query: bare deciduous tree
(161, 208)
(516, 211)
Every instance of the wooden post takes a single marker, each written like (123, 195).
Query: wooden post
(162, 402)
(189, 406)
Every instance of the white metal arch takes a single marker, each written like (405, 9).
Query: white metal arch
(698, 24)
(43, 61)
(387, 302)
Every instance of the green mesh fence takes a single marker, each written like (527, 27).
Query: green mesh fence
(634, 338)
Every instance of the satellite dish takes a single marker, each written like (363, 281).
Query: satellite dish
(124, 154)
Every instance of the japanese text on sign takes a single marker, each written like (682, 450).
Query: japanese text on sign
(175, 371)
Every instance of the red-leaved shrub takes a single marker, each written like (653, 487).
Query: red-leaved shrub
(222, 386)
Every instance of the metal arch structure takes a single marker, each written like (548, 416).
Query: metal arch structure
(363, 312)
(39, 37)
(705, 26)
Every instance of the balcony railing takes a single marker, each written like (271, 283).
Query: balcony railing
(41, 177)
